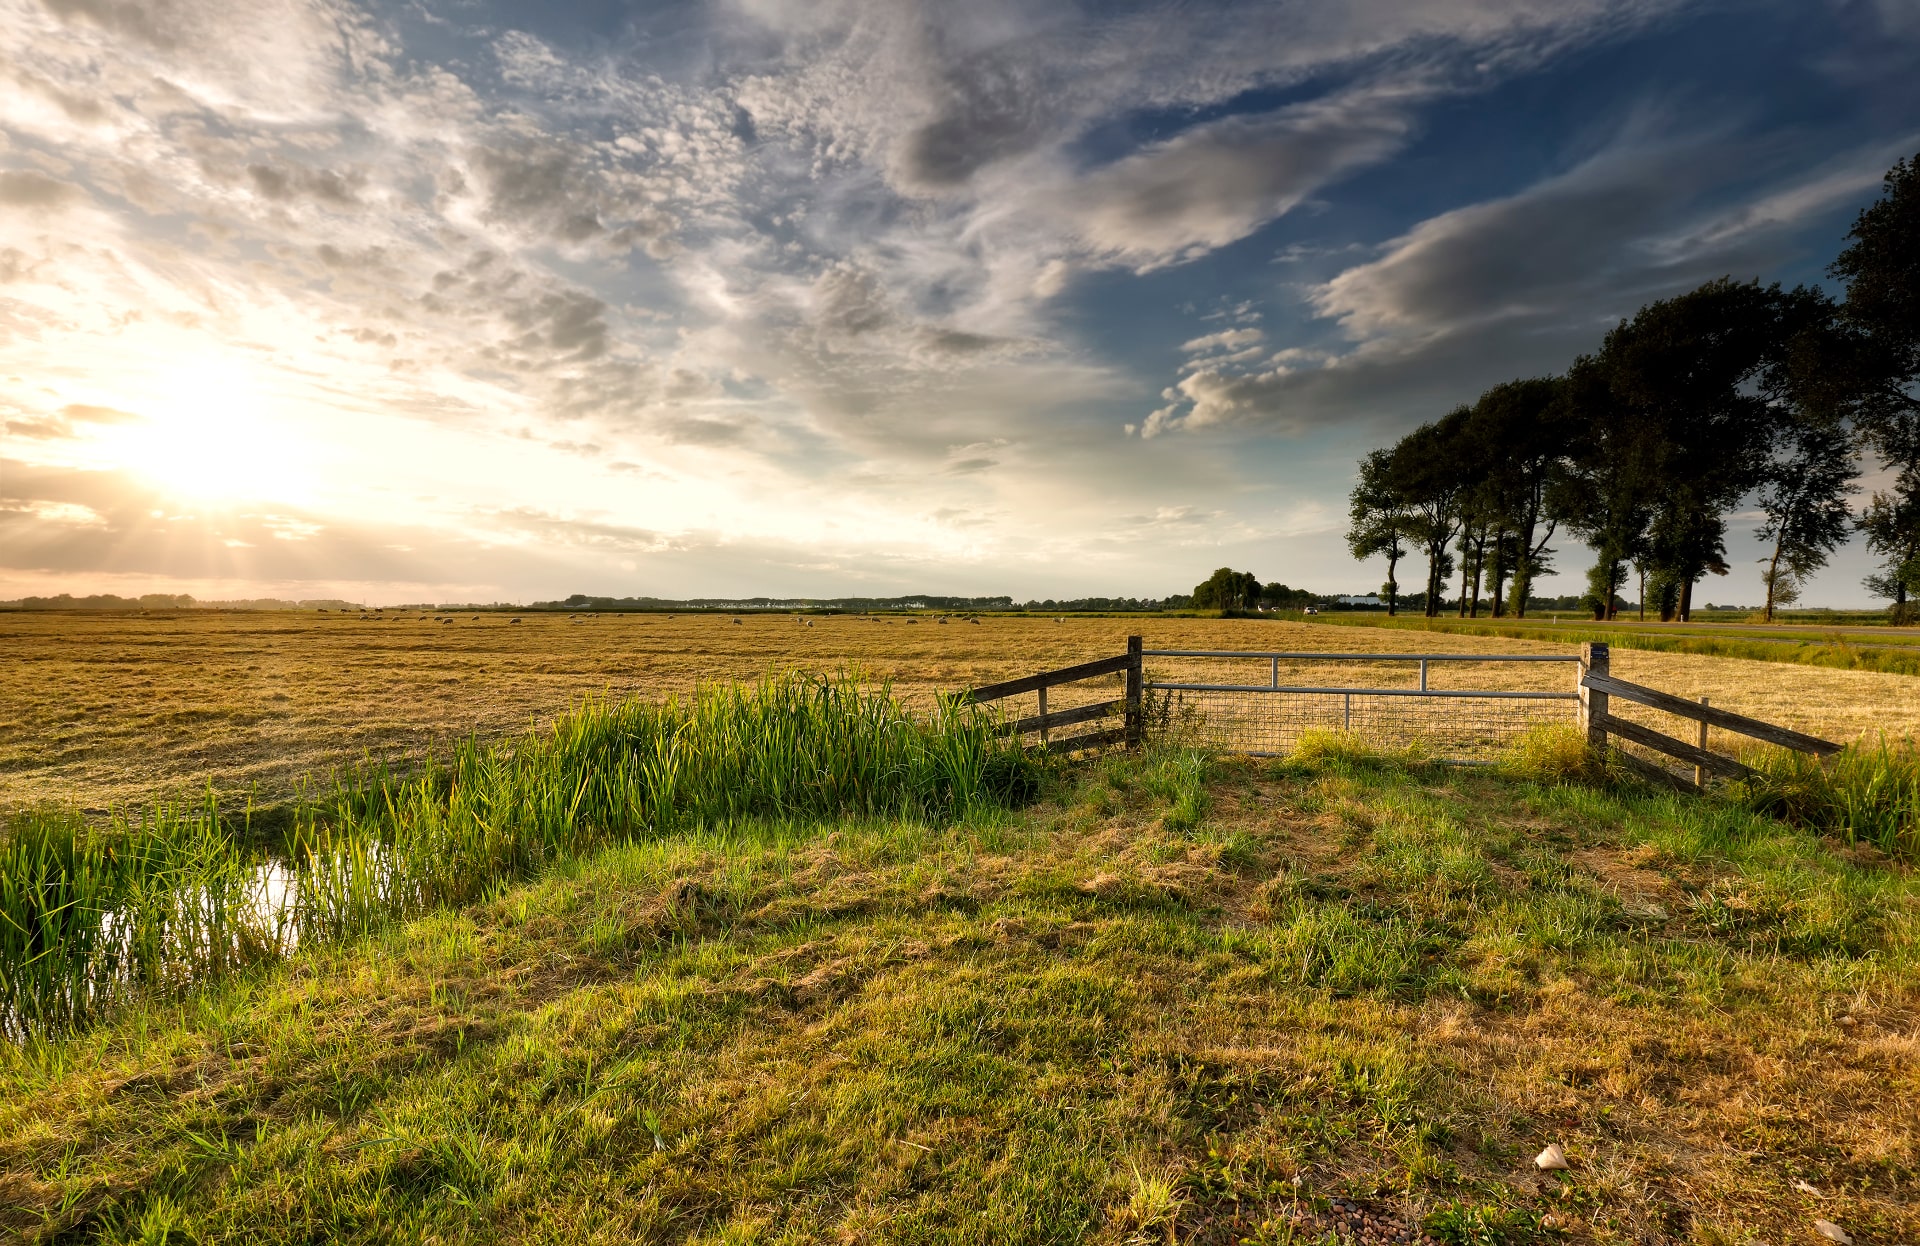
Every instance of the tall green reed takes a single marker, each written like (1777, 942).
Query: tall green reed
(1865, 793)
(91, 915)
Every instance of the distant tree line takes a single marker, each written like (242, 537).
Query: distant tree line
(1643, 448)
(170, 601)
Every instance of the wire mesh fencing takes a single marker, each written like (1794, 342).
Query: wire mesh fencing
(1462, 707)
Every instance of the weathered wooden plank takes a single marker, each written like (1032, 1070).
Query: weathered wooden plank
(1593, 702)
(1063, 718)
(1093, 739)
(1045, 679)
(1655, 699)
(1726, 767)
(1136, 686)
(1648, 770)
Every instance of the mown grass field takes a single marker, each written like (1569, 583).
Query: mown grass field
(1178, 999)
(107, 711)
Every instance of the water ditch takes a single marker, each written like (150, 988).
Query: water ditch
(93, 917)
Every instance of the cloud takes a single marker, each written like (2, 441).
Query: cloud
(289, 182)
(1516, 285)
(1225, 339)
(1217, 183)
(34, 190)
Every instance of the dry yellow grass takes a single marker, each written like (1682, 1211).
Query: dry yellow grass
(105, 709)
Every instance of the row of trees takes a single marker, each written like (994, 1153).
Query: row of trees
(1642, 449)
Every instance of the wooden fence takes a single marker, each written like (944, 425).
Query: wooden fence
(1597, 685)
(1129, 733)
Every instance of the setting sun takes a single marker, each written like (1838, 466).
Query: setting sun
(210, 434)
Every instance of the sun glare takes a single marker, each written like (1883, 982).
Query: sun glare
(211, 434)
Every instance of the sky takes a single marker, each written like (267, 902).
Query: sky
(469, 300)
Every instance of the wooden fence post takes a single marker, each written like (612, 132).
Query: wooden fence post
(1136, 726)
(1593, 704)
(1700, 775)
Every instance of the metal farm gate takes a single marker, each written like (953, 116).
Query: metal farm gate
(1450, 703)
(1460, 706)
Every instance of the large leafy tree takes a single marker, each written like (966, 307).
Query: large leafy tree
(1378, 519)
(1682, 414)
(1881, 268)
(1432, 471)
(1604, 491)
(1809, 476)
(1227, 589)
(1880, 370)
(1804, 502)
(1891, 523)
(1521, 429)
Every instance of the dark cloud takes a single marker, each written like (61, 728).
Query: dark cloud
(849, 300)
(30, 188)
(570, 324)
(149, 21)
(283, 183)
(988, 108)
(553, 189)
(66, 423)
(704, 432)
(1510, 287)
(959, 344)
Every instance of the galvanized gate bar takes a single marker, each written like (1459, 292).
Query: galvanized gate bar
(1371, 692)
(1361, 657)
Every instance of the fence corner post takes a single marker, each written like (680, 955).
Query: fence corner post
(1593, 703)
(1136, 712)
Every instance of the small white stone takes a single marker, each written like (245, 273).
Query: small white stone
(1550, 1159)
(1804, 1188)
(1832, 1232)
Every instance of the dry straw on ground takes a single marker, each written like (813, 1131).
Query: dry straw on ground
(110, 709)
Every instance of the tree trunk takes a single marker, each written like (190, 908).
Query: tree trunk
(1643, 594)
(1393, 586)
(1686, 601)
(1773, 571)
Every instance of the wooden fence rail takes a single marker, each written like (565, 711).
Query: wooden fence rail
(1129, 733)
(1597, 686)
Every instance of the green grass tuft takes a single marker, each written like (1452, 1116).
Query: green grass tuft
(1866, 794)
(1553, 753)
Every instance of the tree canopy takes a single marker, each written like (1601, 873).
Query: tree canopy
(1730, 394)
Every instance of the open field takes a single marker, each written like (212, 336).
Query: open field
(1893, 651)
(119, 710)
(1177, 1000)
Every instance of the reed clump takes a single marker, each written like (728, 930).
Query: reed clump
(1553, 753)
(1866, 793)
(90, 915)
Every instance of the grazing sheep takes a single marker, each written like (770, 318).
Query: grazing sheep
(513, 620)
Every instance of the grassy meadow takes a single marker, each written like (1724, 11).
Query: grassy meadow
(572, 940)
(1175, 999)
